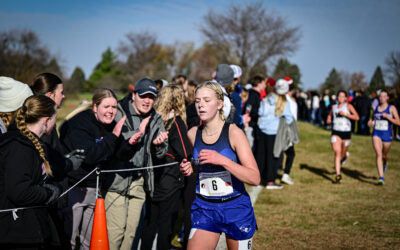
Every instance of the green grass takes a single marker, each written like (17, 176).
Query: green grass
(314, 213)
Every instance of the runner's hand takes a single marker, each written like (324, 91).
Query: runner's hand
(186, 167)
(210, 156)
(118, 127)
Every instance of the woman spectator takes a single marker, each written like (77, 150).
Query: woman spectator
(340, 116)
(384, 116)
(271, 109)
(52, 86)
(24, 174)
(162, 208)
(94, 131)
(224, 162)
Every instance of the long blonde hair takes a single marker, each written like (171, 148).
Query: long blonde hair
(171, 99)
(213, 85)
(280, 104)
(33, 109)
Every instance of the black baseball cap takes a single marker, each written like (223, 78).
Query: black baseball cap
(145, 86)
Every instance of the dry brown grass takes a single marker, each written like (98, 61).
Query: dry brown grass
(316, 214)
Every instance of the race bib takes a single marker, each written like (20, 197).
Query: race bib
(341, 124)
(381, 125)
(215, 184)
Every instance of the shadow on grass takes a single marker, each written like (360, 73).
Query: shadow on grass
(358, 175)
(318, 171)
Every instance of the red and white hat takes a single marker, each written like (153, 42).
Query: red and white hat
(288, 79)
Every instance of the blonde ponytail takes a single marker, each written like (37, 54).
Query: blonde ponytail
(280, 105)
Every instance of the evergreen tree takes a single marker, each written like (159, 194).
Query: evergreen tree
(76, 82)
(377, 81)
(285, 68)
(333, 82)
(107, 68)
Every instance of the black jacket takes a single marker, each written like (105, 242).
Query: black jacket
(254, 101)
(21, 176)
(84, 131)
(169, 179)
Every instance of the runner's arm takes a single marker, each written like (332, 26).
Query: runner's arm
(353, 113)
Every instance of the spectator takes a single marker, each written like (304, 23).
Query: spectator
(271, 109)
(126, 191)
(12, 95)
(95, 131)
(162, 209)
(252, 105)
(25, 178)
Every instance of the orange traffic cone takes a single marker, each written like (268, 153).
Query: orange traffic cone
(99, 240)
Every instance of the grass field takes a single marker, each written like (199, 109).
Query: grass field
(316, 214)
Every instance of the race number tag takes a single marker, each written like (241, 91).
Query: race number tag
(215, 184)
(341, 124)
(381, 125)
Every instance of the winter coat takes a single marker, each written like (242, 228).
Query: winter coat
(170, 179)
(254, 101)
(21, 176)
(140, 155)
(84, 131)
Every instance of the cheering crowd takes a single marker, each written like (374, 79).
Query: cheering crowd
(212, 138)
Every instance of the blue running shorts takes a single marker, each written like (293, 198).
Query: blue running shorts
(235, 218)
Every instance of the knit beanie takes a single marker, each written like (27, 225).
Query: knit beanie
(12, 94)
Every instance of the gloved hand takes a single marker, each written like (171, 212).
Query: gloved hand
(76, 157)
(54, 190)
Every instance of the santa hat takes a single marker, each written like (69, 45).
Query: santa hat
(288, 79)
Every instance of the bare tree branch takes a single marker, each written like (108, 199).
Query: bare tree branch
(249, 35)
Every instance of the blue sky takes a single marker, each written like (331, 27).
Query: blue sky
(350, 35)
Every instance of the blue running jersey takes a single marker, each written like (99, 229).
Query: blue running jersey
(213, 181)
(382, 127)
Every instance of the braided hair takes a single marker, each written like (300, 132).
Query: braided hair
(33, 109)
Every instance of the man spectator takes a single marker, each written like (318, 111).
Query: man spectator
(126, 191)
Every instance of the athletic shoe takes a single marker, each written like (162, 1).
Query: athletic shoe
(274, 186)
(343, 160)
(384, 168)
(338, 179)
(286, 179)
(381, 181)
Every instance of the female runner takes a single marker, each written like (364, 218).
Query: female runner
(342, 113)
(384, 116)
(224, 162)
